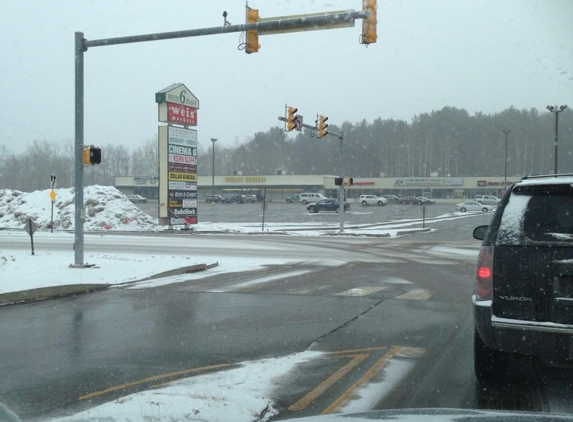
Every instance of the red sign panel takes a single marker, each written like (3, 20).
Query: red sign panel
(178, 113)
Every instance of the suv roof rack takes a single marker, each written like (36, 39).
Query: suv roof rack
(539, 176)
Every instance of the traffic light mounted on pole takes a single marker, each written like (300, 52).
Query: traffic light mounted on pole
(92, 155)
(369, 35)
(291, 118)
(253, 35)
(322, 126)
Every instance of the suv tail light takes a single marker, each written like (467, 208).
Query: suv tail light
(484, 273)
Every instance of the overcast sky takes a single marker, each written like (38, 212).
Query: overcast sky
(477, 55)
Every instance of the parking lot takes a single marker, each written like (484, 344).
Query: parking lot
(281, 212)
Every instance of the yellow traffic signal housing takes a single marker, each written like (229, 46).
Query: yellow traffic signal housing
(252, 36)
(92, 155)
(322, 126)
(369, 35)
(291, 118)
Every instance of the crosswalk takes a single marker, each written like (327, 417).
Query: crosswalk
(298, 283)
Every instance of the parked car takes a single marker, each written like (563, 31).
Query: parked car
(523, 291)
(372, 200)
(410, 200)
(487, 199)
(308, 197)
(392, 199)
(217, 199)
(291, 199)
(250, 199)
(235, 198)
(425, 201)
(137, 198)
(327, 204)
(474, 206)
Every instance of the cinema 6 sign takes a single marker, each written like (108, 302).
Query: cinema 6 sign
(177, 156)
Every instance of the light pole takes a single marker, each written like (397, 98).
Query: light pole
(213, 170)
(556, 110)
(506, 131)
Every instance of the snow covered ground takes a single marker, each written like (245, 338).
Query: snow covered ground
(243, 391)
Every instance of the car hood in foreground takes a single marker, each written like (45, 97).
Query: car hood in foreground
(438, 415)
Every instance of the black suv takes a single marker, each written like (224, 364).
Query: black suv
(328, 204)
(218, 199)
(523, 298)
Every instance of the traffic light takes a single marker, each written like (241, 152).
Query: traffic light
(369, 24)
(322, 126)
(338, 181)
(350, 181)
(253, 35)
(291, 118)
(92, 155)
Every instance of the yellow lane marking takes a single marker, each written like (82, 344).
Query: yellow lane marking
(154, 378)
(351, 351)
(417, 294)
(362, 291)
(329, 382)
(365, 379)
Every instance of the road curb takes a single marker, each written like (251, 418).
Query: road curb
(54, 292)
(45, 293)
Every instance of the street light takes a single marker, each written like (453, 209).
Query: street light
(213, 170)
(556, 110)
(506, 131)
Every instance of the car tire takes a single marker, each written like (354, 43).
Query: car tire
(463, 210)
(364, 203)
(484, 210)
(304, 201)
(490, 366)
(381, 203)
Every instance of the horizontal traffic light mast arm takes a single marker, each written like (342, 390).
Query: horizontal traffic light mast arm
(338, 135)
(267, 26)
(336, 24)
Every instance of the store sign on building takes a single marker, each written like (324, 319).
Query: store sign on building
(419, 181)
(178, 156)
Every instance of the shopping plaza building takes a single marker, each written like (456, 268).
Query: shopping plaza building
(279, 186)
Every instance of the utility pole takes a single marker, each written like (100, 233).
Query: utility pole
(506, 132)
(213, 172)
(556, 110)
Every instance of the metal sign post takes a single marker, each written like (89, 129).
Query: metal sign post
(53, 198)
(31, 228)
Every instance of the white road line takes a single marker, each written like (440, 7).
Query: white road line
(261, 280)
(361, 291)
(417, 294)
(308, 290)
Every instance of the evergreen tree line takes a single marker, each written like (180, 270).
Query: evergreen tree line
(447, 142)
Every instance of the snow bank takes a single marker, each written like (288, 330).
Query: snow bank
(106, 208)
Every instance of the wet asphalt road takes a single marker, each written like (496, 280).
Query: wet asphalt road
(69, 354)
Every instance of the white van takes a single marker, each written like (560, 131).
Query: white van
(487, 199)
(308, 197)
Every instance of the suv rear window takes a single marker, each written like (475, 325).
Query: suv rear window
(538, 214)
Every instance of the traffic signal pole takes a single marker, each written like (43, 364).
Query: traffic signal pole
(340, 136)
(341, 200)
(327, 20)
